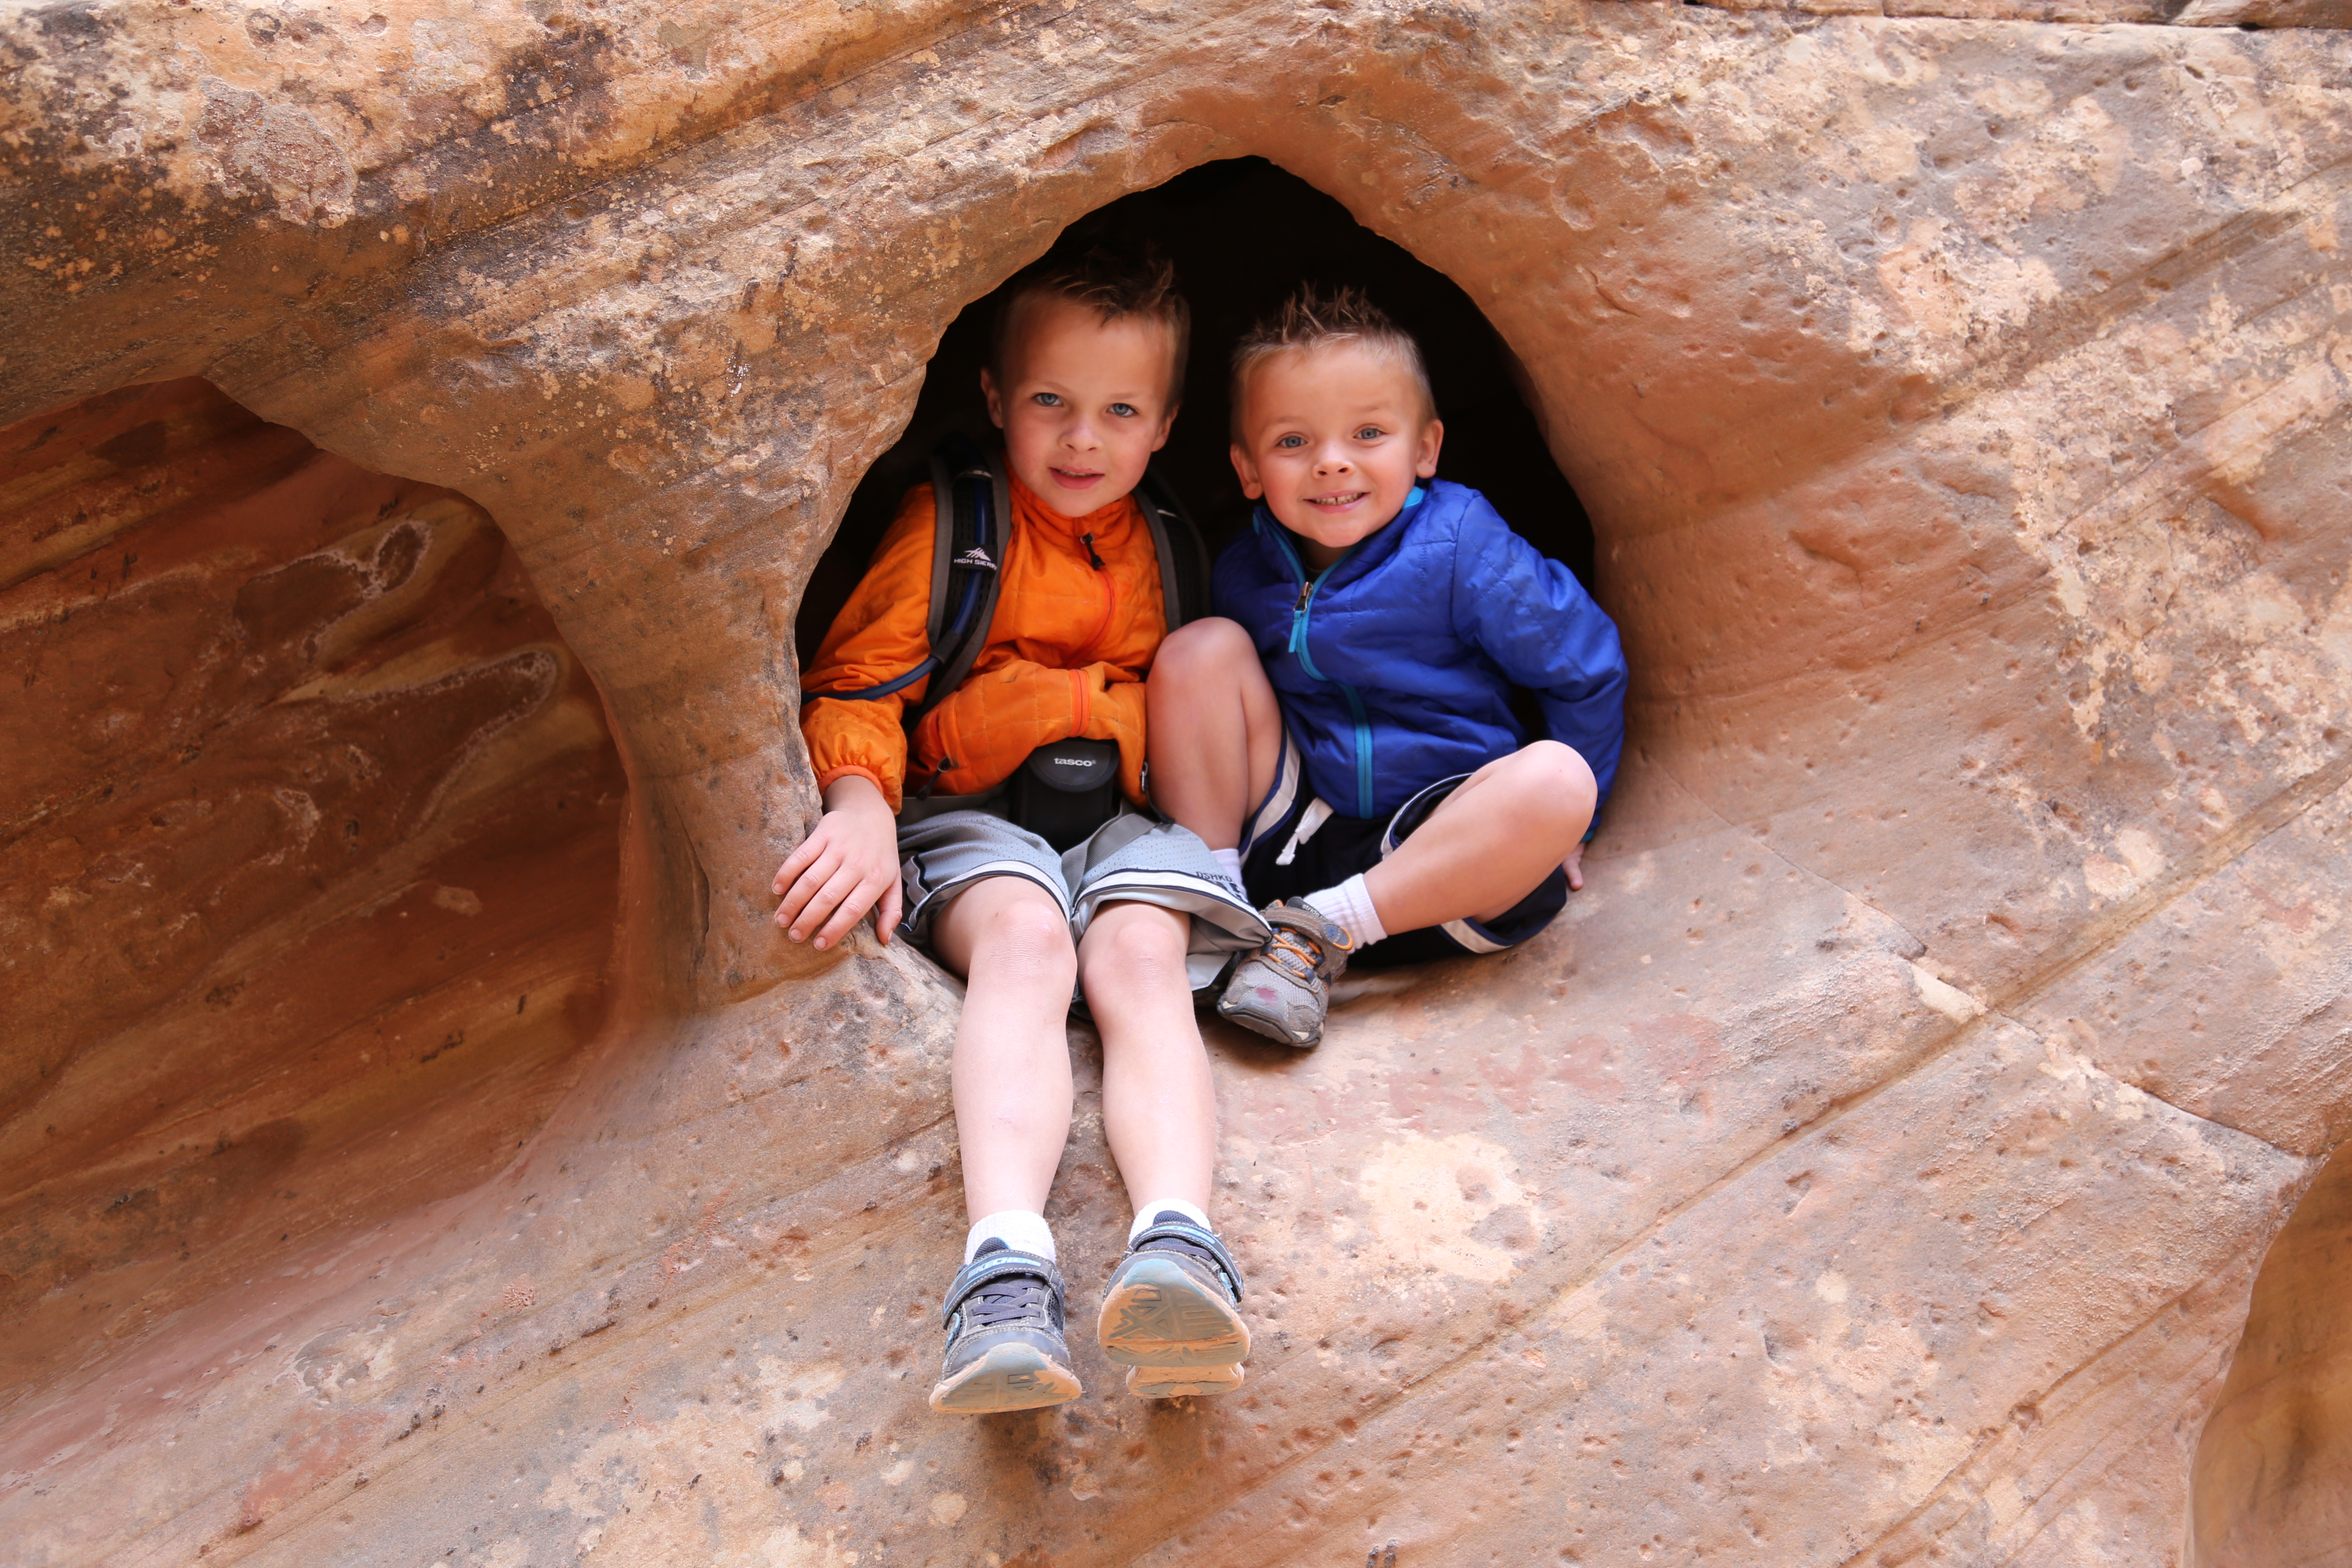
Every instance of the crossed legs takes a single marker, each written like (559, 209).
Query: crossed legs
(1216, 740)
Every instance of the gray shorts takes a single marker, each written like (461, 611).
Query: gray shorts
(1129, 859)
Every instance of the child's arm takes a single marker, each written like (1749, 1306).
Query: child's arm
(857, 747)
(1531, 616)
(839, 870)
(995, 720)
(879, 636)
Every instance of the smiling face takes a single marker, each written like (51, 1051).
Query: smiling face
(1083, 403)
(1331, 439)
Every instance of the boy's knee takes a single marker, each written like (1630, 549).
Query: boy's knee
(1134, 940)
(1198, 647)
(1027, 935)
(1557, 777)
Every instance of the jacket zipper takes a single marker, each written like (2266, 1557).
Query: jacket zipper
(1298, 617)
(1080, 704)
(1110, 594)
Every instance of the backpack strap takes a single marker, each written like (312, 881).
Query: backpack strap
(1183, 558)
(971, 504)
(968, 495)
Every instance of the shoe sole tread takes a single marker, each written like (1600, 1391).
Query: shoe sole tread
(1259, 1024)
(1008, 1377)
(1155, 1314)
(1182, 1381)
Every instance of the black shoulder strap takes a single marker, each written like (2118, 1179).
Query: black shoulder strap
(1183, 557)
(944, 508)
(971, 511)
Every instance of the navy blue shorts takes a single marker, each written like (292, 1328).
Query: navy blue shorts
(1295, 844)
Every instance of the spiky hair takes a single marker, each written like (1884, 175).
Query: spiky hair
(1312, 319)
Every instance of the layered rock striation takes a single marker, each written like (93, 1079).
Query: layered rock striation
(1877, 1163)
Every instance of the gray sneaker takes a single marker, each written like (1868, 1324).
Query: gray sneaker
(1172, 1312)
(1006, 1349)
(1283, 989)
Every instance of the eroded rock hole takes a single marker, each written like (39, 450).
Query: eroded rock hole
(311, 823)
(2272, 1485)
(1243, 233)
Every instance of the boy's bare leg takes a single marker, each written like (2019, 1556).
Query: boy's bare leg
(1488, 844)
(1160, 1103)
(1007, 937)
(1215, 729)
(1171, 1310)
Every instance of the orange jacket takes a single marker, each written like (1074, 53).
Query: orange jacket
(1065, 655)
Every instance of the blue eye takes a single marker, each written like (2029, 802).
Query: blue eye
(1124, 410)
(1049, 399)
(1370, 433)
(1289, 443)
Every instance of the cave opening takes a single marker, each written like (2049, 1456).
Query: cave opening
(2271, 1480)
(314, 828)
(1243, 233)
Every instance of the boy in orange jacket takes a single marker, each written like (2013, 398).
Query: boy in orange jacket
(1087, 362)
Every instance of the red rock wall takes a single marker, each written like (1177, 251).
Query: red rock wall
(2273, 1479)
(1874, 1167)
(312, 825)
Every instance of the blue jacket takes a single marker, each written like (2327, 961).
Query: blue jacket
(1395, 665)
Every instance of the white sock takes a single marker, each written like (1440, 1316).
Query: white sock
(1020, 1230)
(1148, 1215)
(1350, 905)
(1229, 861)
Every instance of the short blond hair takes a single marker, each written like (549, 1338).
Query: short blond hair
(1311, 318)
(1116, 285)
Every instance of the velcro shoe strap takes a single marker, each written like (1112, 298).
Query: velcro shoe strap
(1328, 944)
(996, 1266)
(1198, 1237)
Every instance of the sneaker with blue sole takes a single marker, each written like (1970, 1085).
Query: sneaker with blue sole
(1005, 1349)
(1172, 1311)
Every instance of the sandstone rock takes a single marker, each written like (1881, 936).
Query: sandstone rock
(311, 830)
(1874, 1168)
(2270, 1484)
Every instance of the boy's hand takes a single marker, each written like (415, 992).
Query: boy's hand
(839, 870)
(1574, 867)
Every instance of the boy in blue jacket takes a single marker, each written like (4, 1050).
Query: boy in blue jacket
(1340, 734)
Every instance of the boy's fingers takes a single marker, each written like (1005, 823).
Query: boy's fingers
(867, 895)
(837, 907)
(806, 850)
(820, 909)
(806, 885)
(886, 917)
(796, 893)
(844, 921)
(787, 873)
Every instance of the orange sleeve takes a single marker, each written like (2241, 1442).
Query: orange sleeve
(987, 726)
(879, 636)
(1119, 716)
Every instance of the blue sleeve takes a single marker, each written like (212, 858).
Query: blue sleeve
(1225, 580)
(1534, 619)
(1237, 588)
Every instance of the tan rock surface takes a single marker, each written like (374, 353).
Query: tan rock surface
(1875, 1166)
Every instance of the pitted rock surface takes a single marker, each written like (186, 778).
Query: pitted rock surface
(420, 426)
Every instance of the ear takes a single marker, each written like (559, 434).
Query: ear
(989, 390)
(1166, 425)
(1247, 471)
(1424, 457)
